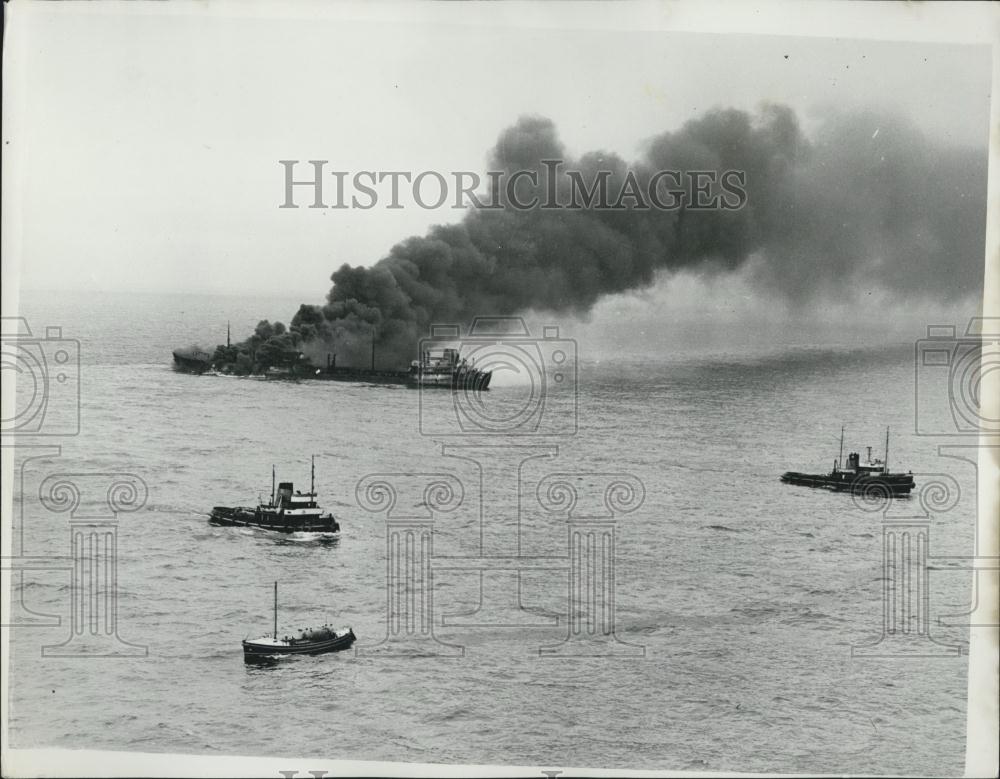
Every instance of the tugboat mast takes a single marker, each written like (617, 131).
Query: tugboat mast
(840, 459)
(885, 461)
(273, 486)
(312, 477)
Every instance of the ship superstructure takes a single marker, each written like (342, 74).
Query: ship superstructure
(446, 368)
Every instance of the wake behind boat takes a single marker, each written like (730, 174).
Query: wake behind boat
(871, 477)
(312, 641)
(288, 511)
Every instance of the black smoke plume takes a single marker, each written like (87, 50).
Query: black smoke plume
(866, 202)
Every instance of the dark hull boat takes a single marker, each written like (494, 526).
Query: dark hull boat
(314, 641)
(895, 484)
(264, 649)
(268, 518)
(288, 511)
(870, 479)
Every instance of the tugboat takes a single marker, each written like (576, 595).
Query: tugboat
(869, 477)
(288, 511)
(312, 641)
(444, 368)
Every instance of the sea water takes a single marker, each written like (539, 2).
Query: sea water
(735, 599)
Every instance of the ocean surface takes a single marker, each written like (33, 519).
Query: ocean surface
(736, 599)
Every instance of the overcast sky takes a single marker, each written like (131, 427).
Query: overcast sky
(151, 142)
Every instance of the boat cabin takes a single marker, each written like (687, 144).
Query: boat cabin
(871, 466)
(440, 359)
(291, 501)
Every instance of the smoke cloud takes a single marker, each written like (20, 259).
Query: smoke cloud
(866, 202)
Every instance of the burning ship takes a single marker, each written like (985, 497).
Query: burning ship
(436, 368)
(871, 477)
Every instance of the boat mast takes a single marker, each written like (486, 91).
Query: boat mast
(273, 488)
(885, 461)
(840, 460)
(276, 611)
(312, 477)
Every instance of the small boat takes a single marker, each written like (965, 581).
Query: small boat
(288, 511)
(312, 641)
(870, 478)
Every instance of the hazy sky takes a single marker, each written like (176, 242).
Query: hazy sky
(150, 141)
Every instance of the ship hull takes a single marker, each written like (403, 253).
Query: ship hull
(190, 363)
(893, 484)
(262, 651)
(477, 382)
(360, 375)
(240, 516)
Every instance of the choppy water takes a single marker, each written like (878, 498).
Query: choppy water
(745, 595)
